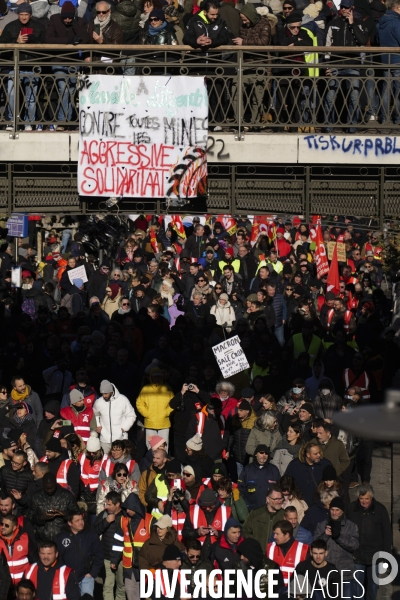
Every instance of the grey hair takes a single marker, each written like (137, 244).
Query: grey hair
(103, 2)
(198, 294)
(114, 270)
(391, 4)
(327, 496)
(267, 420)
(365, 488)
(225, 385)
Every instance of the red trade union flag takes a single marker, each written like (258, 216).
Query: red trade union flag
(260, 225)
(320, 256)
(333, 280)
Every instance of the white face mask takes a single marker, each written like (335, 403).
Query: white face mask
(297, 390)
(325, 392)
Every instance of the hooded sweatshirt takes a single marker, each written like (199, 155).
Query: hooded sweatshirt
(132, 502)
(312, 383)
(153, 404)
(259, 32)
(223, 553)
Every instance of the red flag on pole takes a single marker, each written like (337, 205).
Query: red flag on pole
(333, 281)
(320, 253)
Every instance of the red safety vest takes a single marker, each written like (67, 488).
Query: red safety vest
(62, 473)
(88, 400)
(377, 250)
(108, 466)
(89, 473)
(59, 582)
(17, 555)
(347, 318)
(198, 519)
(81, 421)
(298, 552)
(178, 521)
(362, 381)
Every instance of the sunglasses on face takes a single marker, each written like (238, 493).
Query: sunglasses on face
(217, 287)
(102, 12)
(187, 474)
(125, 304)
(154, 19)
(193, 557)
(200, 280)
(122, 475)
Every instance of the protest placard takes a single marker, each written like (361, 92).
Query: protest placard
(78, 273)
(230, 357)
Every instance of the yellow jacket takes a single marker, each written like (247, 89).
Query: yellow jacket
(153, 403)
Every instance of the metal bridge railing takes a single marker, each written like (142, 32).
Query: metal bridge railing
(258, 88)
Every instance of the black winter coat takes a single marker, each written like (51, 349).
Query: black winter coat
(307, 477)
(82, 552)
(73, 477)
(213, 441)
(15, 480)
(106, 530)
(223, 554)
(374, 530)
(220, 35)
(314, 515)
(188, 401)
(58, 33)
(62, 500)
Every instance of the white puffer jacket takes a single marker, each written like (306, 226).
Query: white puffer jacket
(114, 416)
(224, 314)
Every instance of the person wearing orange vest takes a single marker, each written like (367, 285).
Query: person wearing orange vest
(206, 520)
(81, 417)
(132, 530)
(65, 470)
(50, 578)
(16, 546)
(209, 424)
(285, 550)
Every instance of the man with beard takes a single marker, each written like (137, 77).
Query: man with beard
(82, 417)
(65, 470)
(50, 507)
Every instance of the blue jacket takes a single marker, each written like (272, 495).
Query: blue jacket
(314, 515)
(279, 304)
(307, 477)
(388, 34)
(255, 481)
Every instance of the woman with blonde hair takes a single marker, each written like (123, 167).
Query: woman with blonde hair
(265, 431)
(224, 313)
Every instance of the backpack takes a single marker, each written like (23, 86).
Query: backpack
(67, 302)
(28, 307)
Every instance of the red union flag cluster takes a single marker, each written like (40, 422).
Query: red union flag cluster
(143, 137)
(320, 256)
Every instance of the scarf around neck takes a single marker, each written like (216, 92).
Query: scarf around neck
(17, 397)
(155, 30)
(102, 24)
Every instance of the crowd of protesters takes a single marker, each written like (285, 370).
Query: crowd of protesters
(350, 95)
(122, 446)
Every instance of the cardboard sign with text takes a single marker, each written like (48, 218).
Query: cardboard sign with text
(78, 273)
(230, 357)
(341, 251)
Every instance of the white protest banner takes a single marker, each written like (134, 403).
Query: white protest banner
(78, 273)
(143, 137)
(230, 357)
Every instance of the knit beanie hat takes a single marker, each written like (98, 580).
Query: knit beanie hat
(54, 445)
(106, 387)
(207, 498)
(329, 473)
(252, 550)
(75, 396)
(93, 443)
(244, 405)
(173, 466)
(337, 503)
(195, 443)
(24, 8)
(68, 10)
(158, 13)
(308, 407)
(171, 552)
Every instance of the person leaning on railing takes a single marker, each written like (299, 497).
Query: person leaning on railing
(347, 29)
(24, 30)
(255, 31)
(66, 28)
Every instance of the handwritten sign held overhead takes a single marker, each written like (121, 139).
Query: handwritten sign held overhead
(143, 137)
(230, 357)
(78, 273)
